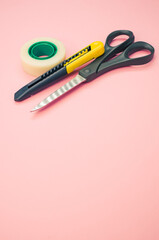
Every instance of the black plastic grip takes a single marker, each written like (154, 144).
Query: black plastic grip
(102, 65)
(91, 70)
(122, 45)
(40, 83)
(124, 59)
(136, 47)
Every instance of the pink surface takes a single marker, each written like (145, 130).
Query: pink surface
(88, 166)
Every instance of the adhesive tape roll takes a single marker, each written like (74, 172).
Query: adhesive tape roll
(41, 54)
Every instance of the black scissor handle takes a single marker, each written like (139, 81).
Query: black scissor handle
(124, 59)
(111, 51)
(92, 69)
(136, 47)
(120, 47)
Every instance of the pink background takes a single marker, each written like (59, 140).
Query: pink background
(87, 167)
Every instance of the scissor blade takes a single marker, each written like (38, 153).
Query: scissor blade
(59, 92)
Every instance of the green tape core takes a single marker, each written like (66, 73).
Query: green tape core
(42, 50)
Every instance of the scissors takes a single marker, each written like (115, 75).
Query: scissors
(113, 58)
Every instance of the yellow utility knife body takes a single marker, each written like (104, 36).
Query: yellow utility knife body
(88, 53)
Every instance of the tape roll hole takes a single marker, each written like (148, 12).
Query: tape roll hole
(39, 55)
(42, 50)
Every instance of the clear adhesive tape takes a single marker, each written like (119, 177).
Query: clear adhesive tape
(41, 54)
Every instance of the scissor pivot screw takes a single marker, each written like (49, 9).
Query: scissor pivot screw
(87, 70)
